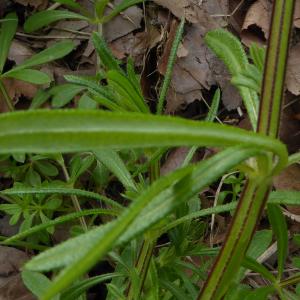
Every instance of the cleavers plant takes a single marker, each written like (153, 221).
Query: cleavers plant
(152, 206)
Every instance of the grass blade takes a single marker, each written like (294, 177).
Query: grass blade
(84, 130)
(46, 17)
(280, 230)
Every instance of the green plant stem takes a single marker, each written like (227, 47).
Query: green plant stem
(74, 198)
(170, 66)
(7, 99)
(148, 245)
(256, 191)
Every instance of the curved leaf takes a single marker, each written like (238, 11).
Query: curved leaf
(83, 130)
(46, 17)
(146, 210)
(8, 30)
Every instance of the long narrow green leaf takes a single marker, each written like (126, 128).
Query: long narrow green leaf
(253, 265)
(125, 88)
(59, 190)
(46, 17)
(230, 50)
(29, 75)
(79, 288)
(97, 242)
(8, 30)
(52, 53)
(115, 164)
(280, 230)
(83, 130)
(170, 66)
(106, 57)
(59, 220)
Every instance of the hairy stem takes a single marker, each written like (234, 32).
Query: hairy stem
(256, 191)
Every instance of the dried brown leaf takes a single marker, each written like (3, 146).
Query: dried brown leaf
(11, 284)
(293, 72)
(123, 24)
(297, 14)
(19, 52)
(257, 22)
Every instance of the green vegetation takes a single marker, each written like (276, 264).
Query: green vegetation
(119, 138)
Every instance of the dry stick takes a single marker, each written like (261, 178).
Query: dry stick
(256, 190)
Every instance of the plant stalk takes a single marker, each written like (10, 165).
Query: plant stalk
(256, 190)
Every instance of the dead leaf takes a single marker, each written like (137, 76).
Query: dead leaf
(16, 89)
(174, 160)
(11, 284)
(19, 52)
(136, 45)
(68, 30)
(37, 4)
(289, 180)
(257, 22)
(293, 71)
(125, 23)
(204, 13)
(297, 14)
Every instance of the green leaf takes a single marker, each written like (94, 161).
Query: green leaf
(52, 203)
(131, 98)
(97, 242)
(29, 75)
(79, 288)
(253, 265)
(42, 131)
(61, 190)
(258, 54)
(21, 157)
(70, 3)
(213, 111)
(241, 80)
(36, 282)
(280, 230)
(285, 197)
(228, 48)
(79, 165)
(59, 220)
(171, 62)
(260, 293)
(8, 30)
(63, 94)
(119, 8)
(46, 17)
(86, 102)
(106, 57)
(46, 168)
(54, 52)
(103, 95)
(39, 99)
(113, 162)
(100, 6)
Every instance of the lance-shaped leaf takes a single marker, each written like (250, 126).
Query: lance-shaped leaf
(46, 17)
(52, 53)
(149, 208)
(83, 130)
(8, 30)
